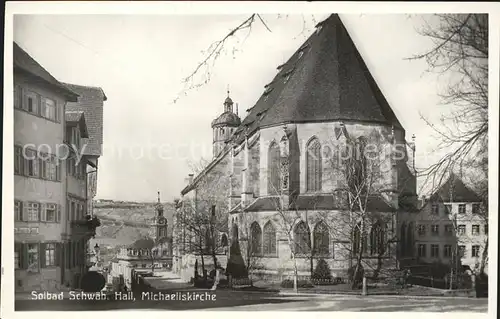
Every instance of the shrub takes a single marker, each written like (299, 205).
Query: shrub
(288, 283)
(322, 272)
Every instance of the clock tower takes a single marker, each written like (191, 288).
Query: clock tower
(158, 229)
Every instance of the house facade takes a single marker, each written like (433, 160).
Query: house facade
(275, 171)
(451, 223)
(51, 223)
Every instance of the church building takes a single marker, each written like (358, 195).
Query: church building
(279, 170)
(149, 253)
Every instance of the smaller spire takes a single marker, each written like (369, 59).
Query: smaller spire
(158, 197)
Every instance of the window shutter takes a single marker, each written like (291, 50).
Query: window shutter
(24, 256)
(21, 212)
(24, 100)
(58, 259)
(24, 214)
(58, 214)
(41, 252)
(43, 212)
(40, 105)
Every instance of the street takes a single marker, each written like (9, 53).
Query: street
(252, 301)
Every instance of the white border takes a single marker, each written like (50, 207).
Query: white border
(225, 7)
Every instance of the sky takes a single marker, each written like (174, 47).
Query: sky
(140, 61)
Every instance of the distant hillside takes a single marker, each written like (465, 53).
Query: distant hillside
(122, 222)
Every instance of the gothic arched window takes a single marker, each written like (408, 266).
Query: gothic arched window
(314, 167)
(269, 239)
(357, 236)
(223, 240)
(302, 238)
(273, 166)
(255, 239)
(321, 240)
(377, 239)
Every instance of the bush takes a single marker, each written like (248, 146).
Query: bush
(322, 272)
(288, 283)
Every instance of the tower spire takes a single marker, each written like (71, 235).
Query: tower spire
(158, 197)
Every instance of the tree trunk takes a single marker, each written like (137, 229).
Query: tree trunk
(359, 258)
(484, 257)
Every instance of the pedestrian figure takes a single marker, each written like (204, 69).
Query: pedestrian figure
(405, 278)
(408, 278)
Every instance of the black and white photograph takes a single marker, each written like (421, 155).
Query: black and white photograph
(202, 156)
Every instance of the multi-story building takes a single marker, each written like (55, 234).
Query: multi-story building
(273, 172)
(451, 223)
(50, 181)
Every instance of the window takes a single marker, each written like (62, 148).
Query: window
(461, 251)
(33, 257)
(302, 239)
(421, 230)
(359, 239)
(461, 229)
(31, 212)
(18, 97)
(435, 209)
(50, 254)
(314, 167)
(274, 165)
(18, 160)
(321, 240)
(269, 239)
(73, 211)
(224, 241)
(30, 163)
(486, 229)
(434, 250)
(17, 261)
(435, 230)
(421, 250)
(476, 209)
(461, 208)
(31, 102)
(475, 230)
(447, 209)
(447, 251)
(50, 109)
(475, 250)
(377, 239)
(51, 212)
(448, 230)
(255, 239)
(18, 209)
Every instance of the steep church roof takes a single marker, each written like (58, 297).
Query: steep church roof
(454, 190)
(325, 79)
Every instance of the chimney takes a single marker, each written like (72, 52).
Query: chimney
(190, 178)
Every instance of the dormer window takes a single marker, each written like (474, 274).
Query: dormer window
(287, 75)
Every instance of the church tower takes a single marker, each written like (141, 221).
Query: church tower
(224, 126)
(159, 226)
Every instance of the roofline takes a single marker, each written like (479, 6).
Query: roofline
(105, 98)
(73, 96)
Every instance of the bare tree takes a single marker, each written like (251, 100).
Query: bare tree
(459, 51)
(202, 216)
